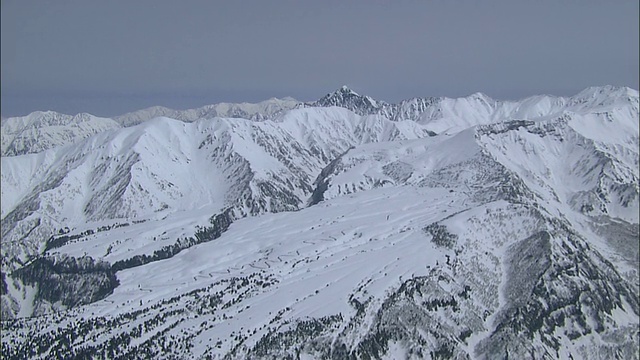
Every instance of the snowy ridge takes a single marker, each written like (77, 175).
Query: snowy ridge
(258, 111)
(53, 129)
(484, 230)
(451, 115)
(40, 131)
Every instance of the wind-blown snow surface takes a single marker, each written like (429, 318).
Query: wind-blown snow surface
(328, 233)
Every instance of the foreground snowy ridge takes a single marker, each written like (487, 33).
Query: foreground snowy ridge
(345, 228)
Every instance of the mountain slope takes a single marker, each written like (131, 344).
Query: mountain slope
(388, 276)
(165, 165)
(368, 236)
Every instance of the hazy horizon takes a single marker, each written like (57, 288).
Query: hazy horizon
(111, 58)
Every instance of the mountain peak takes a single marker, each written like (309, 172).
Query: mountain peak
(349, 99)
(342, 91)
(606, 91)
(346, 89)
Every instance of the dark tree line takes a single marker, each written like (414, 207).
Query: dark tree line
(72, 281)
(219, 224)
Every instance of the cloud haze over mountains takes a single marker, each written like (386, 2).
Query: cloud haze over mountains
(116, 57)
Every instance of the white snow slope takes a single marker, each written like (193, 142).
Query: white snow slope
(481, 230)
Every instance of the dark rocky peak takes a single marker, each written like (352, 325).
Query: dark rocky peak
(349, 99)
(343, 91)
(344, 97)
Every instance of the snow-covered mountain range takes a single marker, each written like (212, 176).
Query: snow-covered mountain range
(342, 228)
(40, 131)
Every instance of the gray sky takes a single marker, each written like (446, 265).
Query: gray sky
(110, 57)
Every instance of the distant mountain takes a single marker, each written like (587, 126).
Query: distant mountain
(439, 114)
(40, 131)
(451, 115)
(438, 228)
(349, 99)
(410, 109)
(259, 111)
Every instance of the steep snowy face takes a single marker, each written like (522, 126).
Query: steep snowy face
(593, 176)
(452, 115)
(411, 109)
(510, 231)
(327, 132)
(135, 173)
